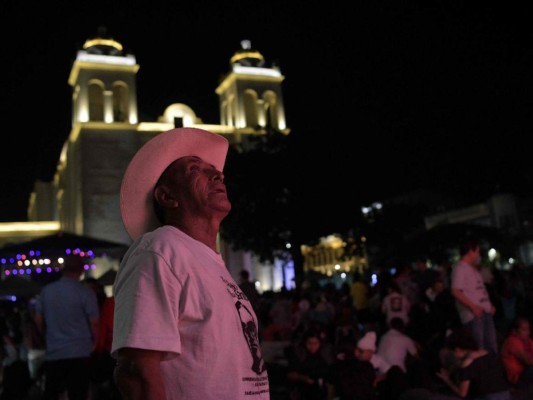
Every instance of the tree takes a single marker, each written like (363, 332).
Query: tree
(258, 187)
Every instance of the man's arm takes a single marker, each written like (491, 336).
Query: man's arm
(39, 323)
(464, 300)
(138, 374)
(520, 353)
(95, 327)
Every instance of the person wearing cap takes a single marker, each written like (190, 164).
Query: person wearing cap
(367, 350)
(183, 329)
(390, 379)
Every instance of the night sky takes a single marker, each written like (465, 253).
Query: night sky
(381, 98)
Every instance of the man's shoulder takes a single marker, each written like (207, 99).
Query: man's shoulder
(162, 239)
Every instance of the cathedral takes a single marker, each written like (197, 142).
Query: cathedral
(106, 132)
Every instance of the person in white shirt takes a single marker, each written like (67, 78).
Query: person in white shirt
(394, 345)
(395, 304)
(183, 328)
(366, 351)
(472, 297)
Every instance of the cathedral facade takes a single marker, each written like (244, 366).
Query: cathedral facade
(106, 132)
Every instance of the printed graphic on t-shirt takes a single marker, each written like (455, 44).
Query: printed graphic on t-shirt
(396, 304)
(249, 326)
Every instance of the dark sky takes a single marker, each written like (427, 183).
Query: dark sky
(381, 97)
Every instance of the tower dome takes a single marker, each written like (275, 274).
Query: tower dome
(103, 44)
(247, 56)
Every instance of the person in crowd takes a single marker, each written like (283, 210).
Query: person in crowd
(360, 292)
(183, 329)
(15, 379)
(249, 289)
(103, 364)
(517, 354)
(404, 277)
(35, 343)
(472, 298)
(67, 311)
(279, 325)
(352, 377)
(481, 374)
(441, 311)
(423, 276)
(308, 370)
(395, 346)
(98, 288)
(366, 350)
(390, 380)
(395, 304)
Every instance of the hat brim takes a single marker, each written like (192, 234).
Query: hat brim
(147, 165)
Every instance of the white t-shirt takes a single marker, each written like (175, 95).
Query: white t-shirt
(381, 366)
(394, 347)
(174, 294)
(396, 305)
(469, 280)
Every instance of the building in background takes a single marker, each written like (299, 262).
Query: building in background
(83, 198)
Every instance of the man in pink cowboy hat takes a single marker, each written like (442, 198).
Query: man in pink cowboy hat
(183, 329)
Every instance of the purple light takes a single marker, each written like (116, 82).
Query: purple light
(28, 271)
(7, 272)
(38, 270)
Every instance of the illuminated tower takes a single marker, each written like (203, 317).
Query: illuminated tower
(250, 97)
(103, 138)
(103, 81)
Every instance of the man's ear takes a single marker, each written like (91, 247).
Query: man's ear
(164, 198)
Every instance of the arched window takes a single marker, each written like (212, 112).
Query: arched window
(96, 101)
(250, 108)
(270, 109)
(120, 102)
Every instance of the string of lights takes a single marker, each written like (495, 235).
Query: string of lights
(35, 262)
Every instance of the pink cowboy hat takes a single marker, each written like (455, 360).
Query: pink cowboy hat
(147, 165)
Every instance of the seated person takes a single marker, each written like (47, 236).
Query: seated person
(395, 345)
(367, 351)
(517, 354)
(481, 374)
(309, 370)
(352, 378)
(390, 380)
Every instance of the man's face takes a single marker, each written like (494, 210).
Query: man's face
(523, 329)
(363, 354)
(312, 344)
(475, 257)
(197, 186)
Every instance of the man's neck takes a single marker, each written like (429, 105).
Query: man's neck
(201, 228)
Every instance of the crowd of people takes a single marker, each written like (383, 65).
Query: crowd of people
(403, 337)
(357, 341)
(56, 345)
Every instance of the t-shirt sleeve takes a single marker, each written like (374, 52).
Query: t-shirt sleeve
(146, 305)
(457, 278)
